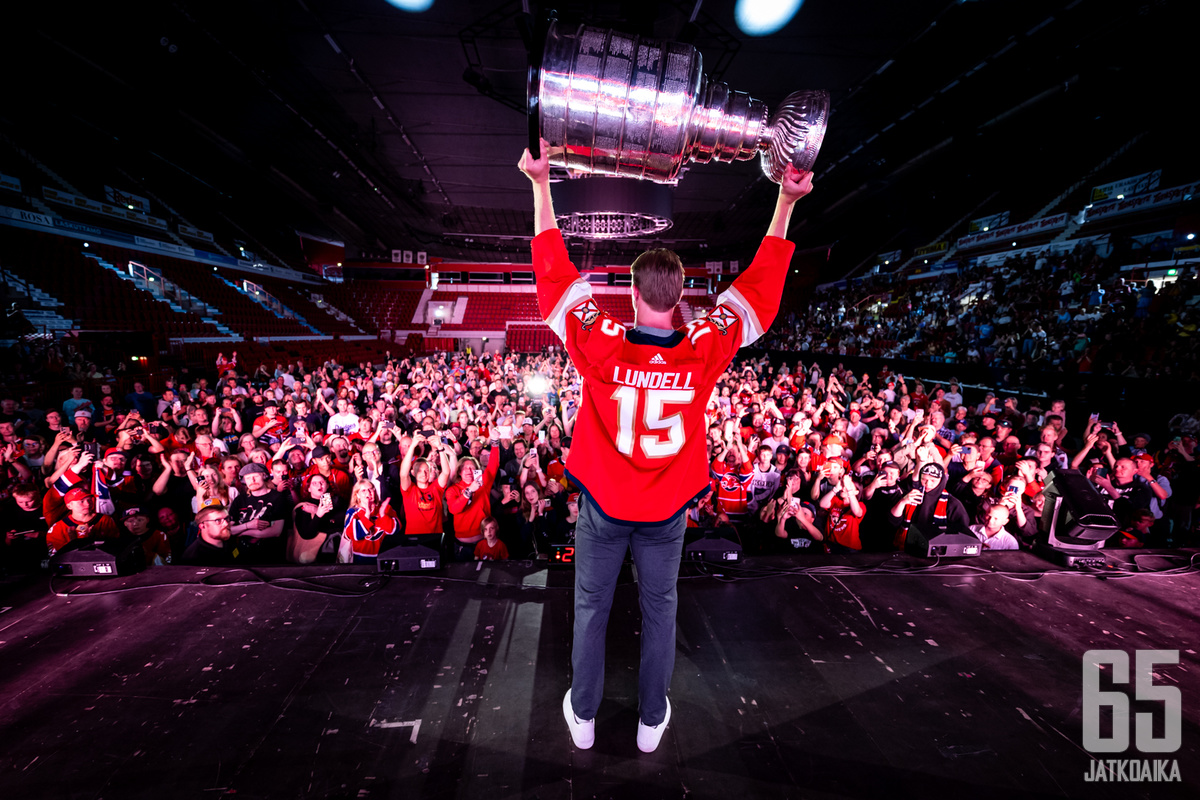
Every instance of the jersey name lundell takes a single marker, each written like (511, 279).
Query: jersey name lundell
(652, 380)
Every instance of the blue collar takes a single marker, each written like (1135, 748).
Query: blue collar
(660, 337)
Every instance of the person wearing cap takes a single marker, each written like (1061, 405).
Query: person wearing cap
(83, 426)
(82, 523)
(930, 506)
(111, 481)
(269, 428)
(321, 463)
(213, 545)
(1159, 486)
(795, 525)
(155, 544)
(257, 517)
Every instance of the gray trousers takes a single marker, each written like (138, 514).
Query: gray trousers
(600, 547)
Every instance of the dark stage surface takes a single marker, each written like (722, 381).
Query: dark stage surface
(881, 684)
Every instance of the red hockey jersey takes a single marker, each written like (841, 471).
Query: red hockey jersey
(638, 448)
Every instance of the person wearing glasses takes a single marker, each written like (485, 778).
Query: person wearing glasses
(212, 547)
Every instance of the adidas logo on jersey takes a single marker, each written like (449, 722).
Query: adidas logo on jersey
(658, 359)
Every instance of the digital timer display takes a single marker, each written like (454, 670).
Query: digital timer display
(562, 554)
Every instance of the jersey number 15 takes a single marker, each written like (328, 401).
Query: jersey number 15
(652, 401)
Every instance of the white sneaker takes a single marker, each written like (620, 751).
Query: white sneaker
(582, 733)
(650, 735)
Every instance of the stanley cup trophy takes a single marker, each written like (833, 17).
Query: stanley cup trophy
(615, 104)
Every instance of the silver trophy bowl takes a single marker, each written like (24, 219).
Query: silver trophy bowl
(611, 103)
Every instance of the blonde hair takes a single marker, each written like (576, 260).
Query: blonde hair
(658, 277)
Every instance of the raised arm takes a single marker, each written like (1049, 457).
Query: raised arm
(538, 172)
(795, 184)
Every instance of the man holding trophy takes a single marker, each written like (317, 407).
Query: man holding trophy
(639, 445)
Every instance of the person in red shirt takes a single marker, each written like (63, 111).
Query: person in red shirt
(491, 548)
(470, 502)
(270, 427)
(82, 523)
(639, 452)
(732, 477)
(338, 479)
(422, 490)
(845, 514)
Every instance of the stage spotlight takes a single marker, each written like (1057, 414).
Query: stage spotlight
(536, 386)
(764, 17)
(1075, 522)
(1191, 236)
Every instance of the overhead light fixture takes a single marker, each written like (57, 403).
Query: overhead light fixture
(1191, 236)
(1120, 197)
(985, 227)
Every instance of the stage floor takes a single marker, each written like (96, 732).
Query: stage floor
(847, 677)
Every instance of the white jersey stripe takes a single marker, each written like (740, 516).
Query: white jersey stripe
(751, 329)
(577, 292)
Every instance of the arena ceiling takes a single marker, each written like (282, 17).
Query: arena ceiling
(388, 129)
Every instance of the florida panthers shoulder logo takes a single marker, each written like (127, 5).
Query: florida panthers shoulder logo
(587, 312)
(722, 318)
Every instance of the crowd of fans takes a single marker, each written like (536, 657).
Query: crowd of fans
(1071, 312)
(337, 463)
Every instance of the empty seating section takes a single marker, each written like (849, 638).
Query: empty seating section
(295, 297)
(530, 338)
(238, 312)
(490, 311)
(311, 352)
(378, 305)
(95, 297)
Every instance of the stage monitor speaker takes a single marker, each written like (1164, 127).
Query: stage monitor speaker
(954, 545)
(409, 558)
(1076, 521)
(713, 548)
(98, 559)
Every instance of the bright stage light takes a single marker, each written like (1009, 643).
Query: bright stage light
(411, 5)
(536, 386)
(764, 17)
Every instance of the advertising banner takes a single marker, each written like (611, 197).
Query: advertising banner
(194, 233)
(1163, 197)
(107, 209)
(936, 247)
(989, 222)
(127, 200)
(1030, 228)
(1138, 184)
